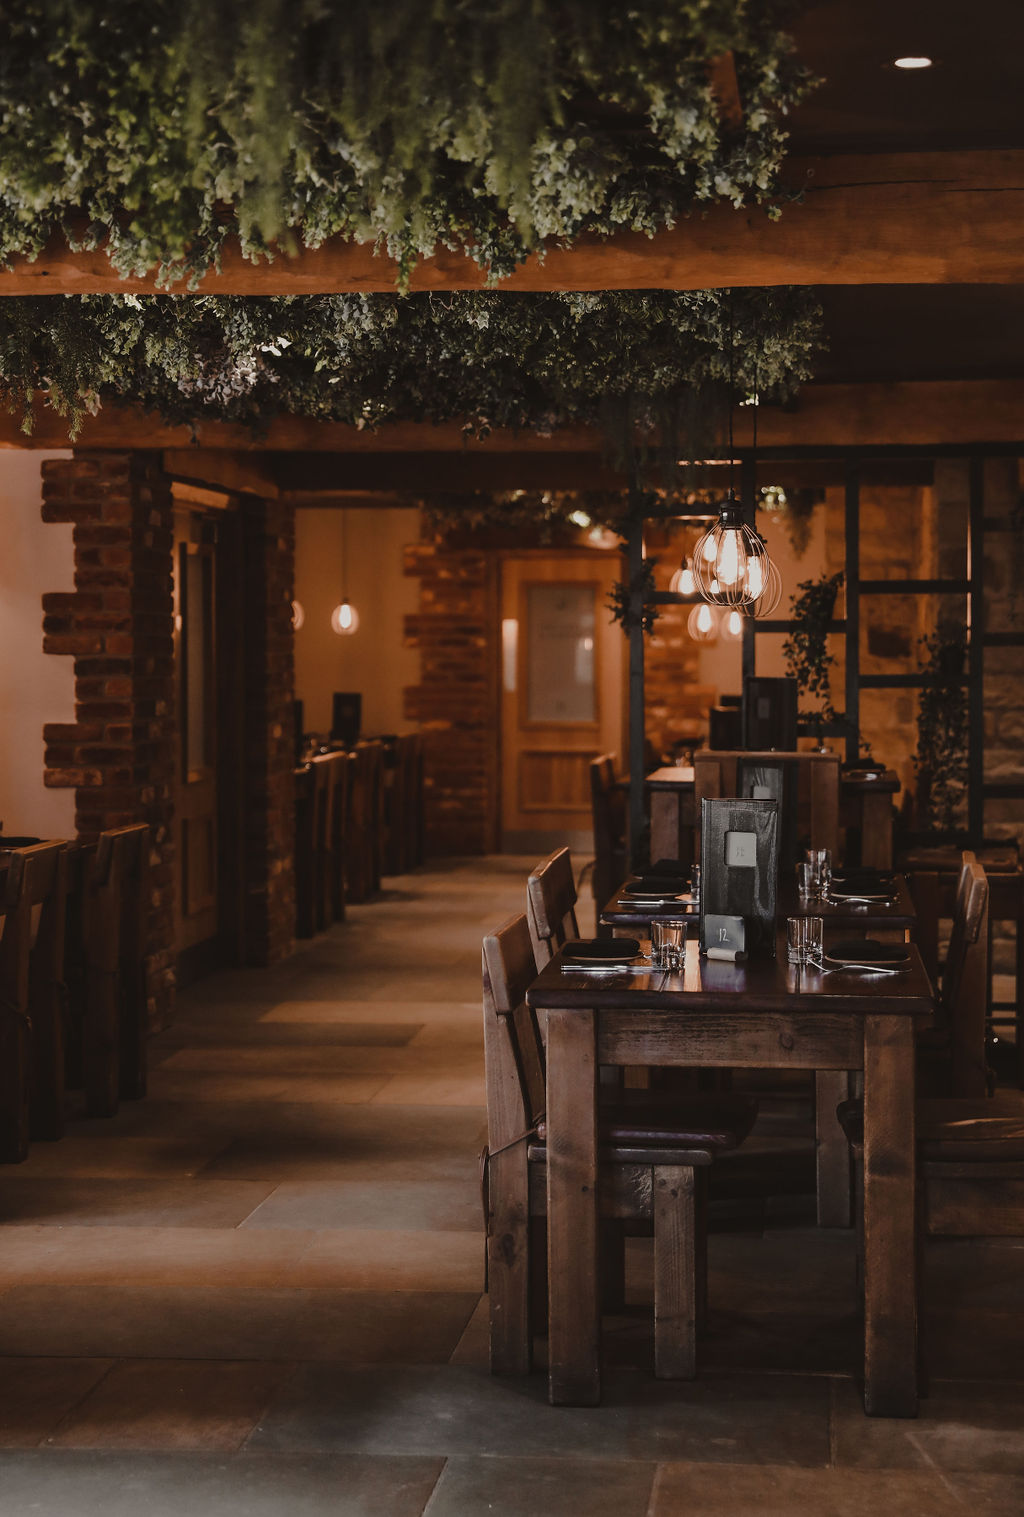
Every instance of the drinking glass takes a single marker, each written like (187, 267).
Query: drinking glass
(695, 883)
(820, 860)
(668, 943)
(804, 940)
(806, 882)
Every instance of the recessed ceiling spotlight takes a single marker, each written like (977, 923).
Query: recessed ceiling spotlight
(911, 63)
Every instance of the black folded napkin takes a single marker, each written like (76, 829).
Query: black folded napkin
(656, 885)
(615, 950)
(864, 879)
(868, 951)
(665, 866)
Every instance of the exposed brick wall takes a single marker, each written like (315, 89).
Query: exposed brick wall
(119, 753)
(456, 702)
(268, 536)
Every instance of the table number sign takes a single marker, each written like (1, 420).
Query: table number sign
(739, 872)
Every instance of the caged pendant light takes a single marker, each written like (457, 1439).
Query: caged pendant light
(731, 563)
(344, 617)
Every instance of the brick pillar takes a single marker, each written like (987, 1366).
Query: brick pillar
(119, 753)
(456, 703)
(268, 534)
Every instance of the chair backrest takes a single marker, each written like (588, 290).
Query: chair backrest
(551, 905)
(965, 981)
(810, 785)
(513, 1049)
(31, 974)
(608, 808)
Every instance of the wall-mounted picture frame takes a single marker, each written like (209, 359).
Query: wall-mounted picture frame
(740, 867)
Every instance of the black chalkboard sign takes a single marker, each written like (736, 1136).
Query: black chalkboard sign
(740, 867)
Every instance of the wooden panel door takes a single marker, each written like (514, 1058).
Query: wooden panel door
(563, 670)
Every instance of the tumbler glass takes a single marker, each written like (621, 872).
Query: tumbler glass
(668, 943)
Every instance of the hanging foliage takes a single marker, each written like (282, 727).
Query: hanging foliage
(481, 125)
(808, 660)
(620, 360)
(942, 731)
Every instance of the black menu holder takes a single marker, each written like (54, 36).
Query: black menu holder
(739, 863)
(769, 714)
(346, 717)
(298, 729)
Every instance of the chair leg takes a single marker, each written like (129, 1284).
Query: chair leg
(675, 1274)
(831, 1086)
(508, 1263)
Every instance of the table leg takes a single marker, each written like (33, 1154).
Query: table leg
(890, 1265)
(574, 1374)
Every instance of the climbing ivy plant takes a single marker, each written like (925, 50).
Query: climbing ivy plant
(808, 660)
(942, 731)
(620, 360)
(488, 126)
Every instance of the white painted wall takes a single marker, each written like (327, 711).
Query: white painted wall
(372, 660)
(35, 687)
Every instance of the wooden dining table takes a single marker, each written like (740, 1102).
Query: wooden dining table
(764, 1014)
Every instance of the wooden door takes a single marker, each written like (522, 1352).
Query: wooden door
(196, 916)
(562, 704)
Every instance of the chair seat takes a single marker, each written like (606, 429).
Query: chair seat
(954, 1129)
(966, 1130)
(674, 1130)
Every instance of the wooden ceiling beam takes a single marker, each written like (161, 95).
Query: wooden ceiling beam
(911, 413)
(896, 218)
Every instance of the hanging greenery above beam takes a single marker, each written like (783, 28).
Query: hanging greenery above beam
(160, 130)
(626, 362)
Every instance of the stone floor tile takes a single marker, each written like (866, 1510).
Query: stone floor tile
(72, 1483)
(454, 1410)
(405, 1327)
(774, 1490)
(421, 1013)
(433, 1090)
(130, 1203)
(263, 1032)
(171, 1405)
(362, 1259)
(418, 1205)
(972, 1427)
(552, 1487)
(213, 1087)
(35, 1394)
(107, 1255)
(107, 1155)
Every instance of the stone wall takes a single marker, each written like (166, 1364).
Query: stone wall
(119, 753)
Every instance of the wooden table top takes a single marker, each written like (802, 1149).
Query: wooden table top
(681, 777)
(762, 984)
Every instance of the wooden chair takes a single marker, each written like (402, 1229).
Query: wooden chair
(305, 855)
(810, 785)
(608, 806)
(31, 1002)
(339, 770)
(323, 900)
(551, 905)
(951, 1055)
(651, 1168)
(362, 875)
(110, 897)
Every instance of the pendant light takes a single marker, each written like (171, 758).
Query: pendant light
(702, 623)
(344, 617)
(731, 563)
(682, 581)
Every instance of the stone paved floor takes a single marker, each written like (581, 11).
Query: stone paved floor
(259, 1291)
